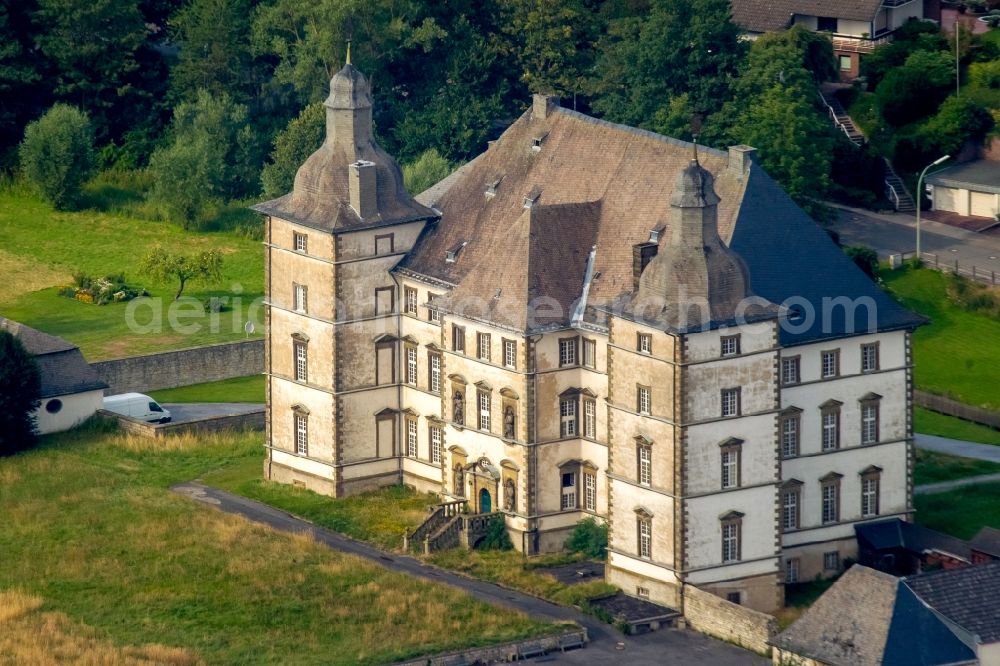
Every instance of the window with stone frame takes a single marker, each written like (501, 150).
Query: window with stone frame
(790, 371)
(829, 414)
(644, 532)
(300, 300)
(590, 418)
(483, 346)
(458, 339)
(735, 598)
(869, 357)
(791, 505)
(567, 417)
(301, 433)
(436, 437)
(644, 343)
(590, 491)
(485, 400)
(433, 315)
(831, 560)
(411, 437)
(644, 459)
(589, 353)
(731, 402)
(385, 244)
(567, 495)
(510, 353)
(870, 481)
(643, 400)
(732, 526)
(434, 372)
(729, 345)
(385, 361)
(300, 242)
(870, 418)
(830, 363)
(791, 432)
(730, 458)
(791, 570)
(409, 300)
(301, 360)
(411, 364)
(567, 351)
(830, 498)
(385, 300)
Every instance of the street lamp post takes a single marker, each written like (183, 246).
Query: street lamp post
(920, 194)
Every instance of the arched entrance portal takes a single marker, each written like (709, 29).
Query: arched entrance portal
(485, 501)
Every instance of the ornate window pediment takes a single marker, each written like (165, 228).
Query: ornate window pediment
(299, 408)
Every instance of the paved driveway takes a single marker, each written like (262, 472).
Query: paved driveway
(607, 646)
(195, 411)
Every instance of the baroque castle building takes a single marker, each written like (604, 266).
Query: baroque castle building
(588, 320)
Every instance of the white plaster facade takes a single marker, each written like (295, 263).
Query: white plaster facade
(58, 413)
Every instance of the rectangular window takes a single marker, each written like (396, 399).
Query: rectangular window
(590, 353)
(643, 404)
(644, 343)
(301, 242)
(790, 371)
(411, 438)
(831, 560)
(831, 429)
(826, 24)
(869, 422)
(299, 298)
(645, 454)
(869, 357)
(433, 316)
(645, 530)
(301, 362)
(568, 497)
(730, 541)
(384, 244)
(869, 496)
(790, 509)
(730, 345)
(590, 419)
(567, 352)
(845, 63)
(791, 570)
(458, 339)
(567, 417)
(831, 503)
(730, 468)
(484, 410)
(642, 592)
(734, 598)
(434, 380)
(831, 363)
(483, 346)
(435, 437)
(731, 402)
(510, 353)
(385, 300)
(790, 436)
(411, 365)
(301, 435)
(409, 300)
(590, 491)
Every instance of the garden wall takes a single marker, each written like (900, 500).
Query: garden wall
(943, 405)
(248, 421)
(712, 615)
(183, 367)
(506, 652)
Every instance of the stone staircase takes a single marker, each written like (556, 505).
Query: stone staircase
(896, 192)
(838, 114)
(448, 526)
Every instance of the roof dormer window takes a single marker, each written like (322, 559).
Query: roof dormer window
(492, 187)
(532, 198)
(536, 143)
(451, 256)
(657, 233)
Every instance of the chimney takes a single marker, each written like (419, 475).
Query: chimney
(363, 189)
(542, 105)
(642, 254)
(740, 158)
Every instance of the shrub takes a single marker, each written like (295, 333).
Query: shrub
(57, 154)
(864, 258)
(425, 171)
(590, 538)
(20, 386)
(101, 291)
(496, 537)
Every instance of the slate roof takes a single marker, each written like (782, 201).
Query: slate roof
(868, 618)
(979, 175)
(774, 15)
(896, 533)
(987, 540)
(969, 597)
(60, 363)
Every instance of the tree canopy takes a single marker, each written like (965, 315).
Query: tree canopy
(57, 154)
(20, 386)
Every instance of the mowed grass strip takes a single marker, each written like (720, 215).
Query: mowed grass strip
(932, 467)
(240, 389)
(941, 425)
(50, 246)
(91, 527)
(958, 353)
(961, 512)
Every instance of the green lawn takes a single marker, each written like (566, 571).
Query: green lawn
(91, 528)
(932, 467)
(241, 389)
(961, 512)
(41, 249)
(931, 423)
(958, 353)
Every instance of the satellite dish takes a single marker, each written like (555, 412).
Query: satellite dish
(248, 327)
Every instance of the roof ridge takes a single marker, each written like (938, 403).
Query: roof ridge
(636, 131)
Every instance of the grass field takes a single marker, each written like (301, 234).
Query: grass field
(241, 389)
(932, 467)
(961, 512)
(91, 529)
(932, 423)
(41, 249)
(958, 353)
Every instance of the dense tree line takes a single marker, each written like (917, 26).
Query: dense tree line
(219, 99)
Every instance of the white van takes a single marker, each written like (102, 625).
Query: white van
(137, 406)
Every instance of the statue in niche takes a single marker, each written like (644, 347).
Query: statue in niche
(458, 408)
(509, 495)
(459, 480)
(508, 422)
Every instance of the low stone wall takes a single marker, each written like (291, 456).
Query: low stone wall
(183, 367)
(712, 615)
(943, 405)
(505, 652)
(248, 421)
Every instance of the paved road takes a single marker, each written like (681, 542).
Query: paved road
(193, 411)
(891, 233)
(958, 447)
(945, 486)
(607, 646)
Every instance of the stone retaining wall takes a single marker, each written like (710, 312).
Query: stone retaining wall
(248, 421)
(505, 652)
(943, 405)
(712, 615)
(183, 367)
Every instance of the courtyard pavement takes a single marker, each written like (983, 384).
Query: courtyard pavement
(958, 447)
(607, 645)
(196, 411)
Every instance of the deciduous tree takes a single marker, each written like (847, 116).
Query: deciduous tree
(57, 154)
(425, 171)
(20, 386)
(302, 136)
(162, 265)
